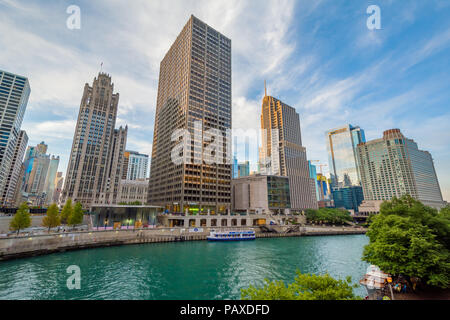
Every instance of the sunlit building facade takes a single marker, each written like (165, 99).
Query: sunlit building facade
(194, 94)
(282, 153)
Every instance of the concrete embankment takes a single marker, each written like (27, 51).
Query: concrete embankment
(19, 247)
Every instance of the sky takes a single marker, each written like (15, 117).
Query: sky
(317, 56)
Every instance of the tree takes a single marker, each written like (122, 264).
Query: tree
(52, 219)
(22, 219)
(77, 215)
(411, 239)
(66, 212)
(328, 215)
(304, 287)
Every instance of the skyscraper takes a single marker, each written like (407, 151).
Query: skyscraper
(244, 169)
(282, 152)
(39, 175)
(194, 94)
(14, 179)
(394, 166)
(96, 160)
(14, 94)
(342, 155)
(342, 145)
(135, 166)
(59, 182)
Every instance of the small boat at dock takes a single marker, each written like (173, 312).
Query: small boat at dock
(232, 235)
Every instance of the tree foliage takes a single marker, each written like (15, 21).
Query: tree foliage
(66, 212)
(134, 203)
(52, 219)
(328, 216)
(22, 219)
(77, 215)
(411, 239)
(304, 287)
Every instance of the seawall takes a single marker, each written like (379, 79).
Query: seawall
(20, 247)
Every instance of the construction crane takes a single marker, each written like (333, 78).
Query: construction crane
(319, 165)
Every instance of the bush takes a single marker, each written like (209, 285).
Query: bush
(304, 287)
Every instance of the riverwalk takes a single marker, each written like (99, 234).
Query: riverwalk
(13, 247)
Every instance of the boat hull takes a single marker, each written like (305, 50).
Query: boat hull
(231, 239)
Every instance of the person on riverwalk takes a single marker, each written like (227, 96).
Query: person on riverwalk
(404, 288)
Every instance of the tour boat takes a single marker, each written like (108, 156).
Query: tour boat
(232, 235)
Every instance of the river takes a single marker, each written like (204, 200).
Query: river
(188, 270)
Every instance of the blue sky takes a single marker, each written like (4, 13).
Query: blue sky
(317, 56)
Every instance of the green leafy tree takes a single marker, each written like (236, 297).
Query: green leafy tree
(411, 239)
(77, 215)
(328, 215)
(22, 219)
(304, 287)
(52, 219)
(66, 212)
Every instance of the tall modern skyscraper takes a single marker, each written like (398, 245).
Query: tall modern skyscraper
(282, 152)
(14, 94)
(39, 175)
(135, 166)
(194, 94)
(342, 155)
(14, 179)
(96, 160)
(342, 145)
(394, 166)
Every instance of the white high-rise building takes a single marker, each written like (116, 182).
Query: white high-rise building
(14, 94)
(135, 166)
(394, 166)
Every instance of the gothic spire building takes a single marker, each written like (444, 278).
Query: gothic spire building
(95, 165)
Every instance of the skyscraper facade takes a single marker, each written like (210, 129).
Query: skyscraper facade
(342, 145)
(394, 166)
(243, 169)
(14, 178)
(342, 155)
(282, 152)
(14, 94)
(194, 94)
(96, 160)
(135, 166)
(39, 175)
(59, 183)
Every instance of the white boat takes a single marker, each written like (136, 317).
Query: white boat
(374, 279)
(232, 235)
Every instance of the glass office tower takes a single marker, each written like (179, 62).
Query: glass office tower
(343, 161)
(342, 157)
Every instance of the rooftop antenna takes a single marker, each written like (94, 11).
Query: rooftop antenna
(265, 88)
(101, 67)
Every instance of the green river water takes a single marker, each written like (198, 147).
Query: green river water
(189, 270)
